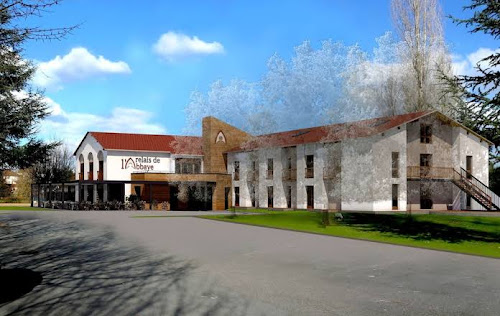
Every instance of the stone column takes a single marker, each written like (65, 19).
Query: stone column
(77, 193)
(105, 192)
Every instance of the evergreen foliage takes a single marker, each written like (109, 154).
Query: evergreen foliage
(481, 109)
(21, 106)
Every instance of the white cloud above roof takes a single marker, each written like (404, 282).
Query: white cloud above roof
(464, 65)
(70, 127)
(173, 46)
(78, 64)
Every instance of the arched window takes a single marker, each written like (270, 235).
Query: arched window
(100, 171)
(82, 166)
(90, 175)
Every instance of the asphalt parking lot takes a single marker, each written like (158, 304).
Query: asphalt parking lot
(102, 262)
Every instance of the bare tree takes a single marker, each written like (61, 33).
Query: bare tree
(58, 166)
(419, 25)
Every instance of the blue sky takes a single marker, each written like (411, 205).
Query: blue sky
(110, 77)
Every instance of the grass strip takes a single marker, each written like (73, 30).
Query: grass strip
(23, 208)
(462, 234)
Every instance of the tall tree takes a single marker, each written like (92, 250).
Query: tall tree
(482, 90)
(309, 89)
(419, 26)
(21, 106)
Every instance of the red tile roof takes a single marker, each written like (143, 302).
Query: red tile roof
(329, 133)
(189, 145)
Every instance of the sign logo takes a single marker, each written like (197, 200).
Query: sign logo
(220, 138)
(140, 163)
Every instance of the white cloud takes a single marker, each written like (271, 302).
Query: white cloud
(78, 64)
(70, 127)
(172, 46)
(465, 65)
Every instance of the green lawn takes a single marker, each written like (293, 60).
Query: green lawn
(463, 234)
(257, 210)
(22, 208)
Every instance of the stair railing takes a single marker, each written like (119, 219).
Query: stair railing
(481, 188)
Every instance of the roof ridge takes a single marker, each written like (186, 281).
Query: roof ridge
(143, 134)
(351, 129)
(345, 123)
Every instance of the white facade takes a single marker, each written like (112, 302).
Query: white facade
(118, 165)
(365, 180)
(361, 172)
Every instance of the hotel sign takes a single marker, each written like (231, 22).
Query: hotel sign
(141, 163)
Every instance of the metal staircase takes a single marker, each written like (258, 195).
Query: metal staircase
(476, 189)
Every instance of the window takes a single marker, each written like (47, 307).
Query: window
(425, 160)
(395, 164)
(100, 171)
(236, 196)
(425, 133)
(395, 193)
(187, 165)
(254, 174)
(236, 170)
(288, 172)
(82, 165)
(91, 171)
(270, 196)
(309, 166)
(270, 167)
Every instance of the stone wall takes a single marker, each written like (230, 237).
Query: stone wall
(219, 137)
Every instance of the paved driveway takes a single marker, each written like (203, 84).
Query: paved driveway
(102, 262)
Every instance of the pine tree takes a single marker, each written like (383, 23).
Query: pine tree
(482, 91)
(21, 107)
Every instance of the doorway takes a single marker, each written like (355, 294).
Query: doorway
(310, 196)
(252, 195)
(425, 196)
(289, 197)
(270, 197)
(174, 201)
(425, 165)
(395, 191)
(468, 166)
(236, 196)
